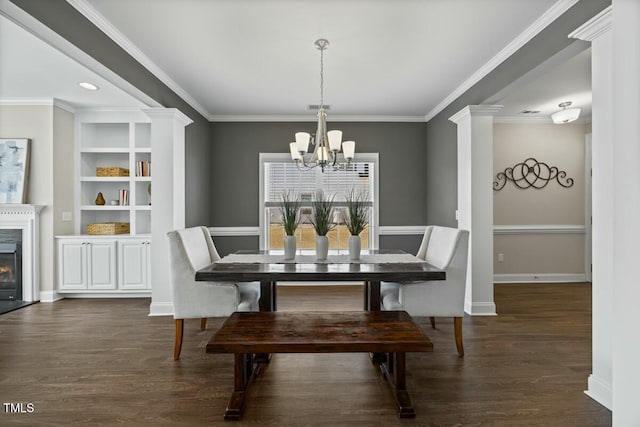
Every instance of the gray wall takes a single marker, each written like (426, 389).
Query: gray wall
(235, 178)
(441, 160)
(73, 26)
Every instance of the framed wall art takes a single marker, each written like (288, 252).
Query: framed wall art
(14, 170)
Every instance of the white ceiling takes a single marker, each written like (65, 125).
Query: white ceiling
(249, 58)
(32, 71)
(568, 81)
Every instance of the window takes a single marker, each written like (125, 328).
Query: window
(278, 173)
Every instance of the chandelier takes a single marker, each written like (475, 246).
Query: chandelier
(327, 143)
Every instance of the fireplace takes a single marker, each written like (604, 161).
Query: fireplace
(10, 271)
(19, 253)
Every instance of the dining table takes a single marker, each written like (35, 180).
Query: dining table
(270, 267)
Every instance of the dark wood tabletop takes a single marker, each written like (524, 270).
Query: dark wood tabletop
(371, 274)
(278, 272)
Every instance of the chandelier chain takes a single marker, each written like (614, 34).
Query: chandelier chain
(322, 77)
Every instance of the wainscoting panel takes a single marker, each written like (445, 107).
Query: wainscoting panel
(539, 253)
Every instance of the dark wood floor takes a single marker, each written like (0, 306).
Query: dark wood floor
(105, 362)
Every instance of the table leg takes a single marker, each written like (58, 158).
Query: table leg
(267, 296)
(367, 290)
(372, 303)
(374, 295)
(267, 303)
(274, 296)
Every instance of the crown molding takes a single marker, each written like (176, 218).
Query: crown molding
(168, 113)
(48, 102)
(26, 101)
(475, 110)
(553, 13)
(312, 118)
(63, 105)
(114, 34)
(595, 27)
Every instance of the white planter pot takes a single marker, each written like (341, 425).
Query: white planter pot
(289, 247)
(355, 245)
(322, 247)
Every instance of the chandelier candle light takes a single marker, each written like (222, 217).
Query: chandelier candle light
(327, 143)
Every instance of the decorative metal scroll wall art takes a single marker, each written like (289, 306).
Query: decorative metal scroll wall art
(531, 174)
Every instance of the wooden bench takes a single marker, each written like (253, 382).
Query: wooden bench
(391, 332)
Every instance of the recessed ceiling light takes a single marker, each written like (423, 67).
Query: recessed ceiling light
(88, 86)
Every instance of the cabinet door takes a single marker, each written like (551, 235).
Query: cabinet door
(102, 265)
(133, 260)
(72, 265)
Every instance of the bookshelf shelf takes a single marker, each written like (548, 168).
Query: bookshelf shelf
(113, 139)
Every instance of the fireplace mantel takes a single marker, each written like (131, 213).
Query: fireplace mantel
(19, 209)
(27, 219)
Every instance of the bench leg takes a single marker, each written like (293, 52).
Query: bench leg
(403, 400)
(394, 371)
(243, 374)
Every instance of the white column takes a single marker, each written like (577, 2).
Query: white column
(598, 32)
(475, 202)
(626, 201)
(167, 198)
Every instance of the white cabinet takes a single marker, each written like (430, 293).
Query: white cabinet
(72, 265)
(84, 264)
(134, 258)
(104, 265)
(113, 139)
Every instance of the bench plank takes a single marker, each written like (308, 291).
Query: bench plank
(319, 332)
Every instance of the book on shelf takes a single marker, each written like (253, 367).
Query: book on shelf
(143, 168)
(123, 198)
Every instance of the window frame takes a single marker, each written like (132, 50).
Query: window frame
(374, 225)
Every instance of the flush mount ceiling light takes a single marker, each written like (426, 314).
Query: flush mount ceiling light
(565, 115)
(327, 144)
(88, 86)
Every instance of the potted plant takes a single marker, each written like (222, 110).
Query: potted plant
(357, 220)
(290, 215)
(322, 221)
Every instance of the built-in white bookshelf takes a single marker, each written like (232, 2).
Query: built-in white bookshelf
(113, 139)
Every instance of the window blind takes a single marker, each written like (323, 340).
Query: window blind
(285, 176)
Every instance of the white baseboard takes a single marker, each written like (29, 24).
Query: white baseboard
(50, 296)
(480, 308)
(540, 278)
(145, 294)
(600, 392)
(161, 309)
